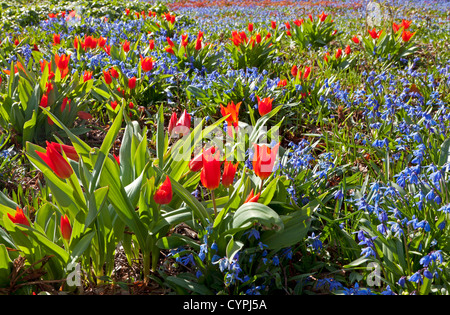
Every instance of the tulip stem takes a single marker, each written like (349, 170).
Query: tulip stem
(213, 197)
(261, 187)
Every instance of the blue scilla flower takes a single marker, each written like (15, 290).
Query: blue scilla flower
(253, 233)
(315, 242)
(388, 291)
(402, 281)
(417, 278)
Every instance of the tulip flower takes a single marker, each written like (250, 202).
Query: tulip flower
(264, 105)
(66, 228)
(374, 34)
(70, 151)
(19, 217)
(258, 38)
(163, 194)
(101, 41)
(210, 174)
(232, 111)
(56, 39)
(294, 71)
(170, 50)
(114, 105)
(87, 75)
(252, 197)
(180, 126)
(56, 162)
(170, 42)
(396, 27)
(196, 163)
(62, 63)
(338, 53)
(273, 24)
(229, 172)
(282, 83)
(146, 64)
(250, 27)
(323, 17)
(307, 72)
(126, 46)
(355, 39)
(114, 72)
(44, 101)
(198, 44)
(107, 77)
(264, 159)
(132, 82)
(348, 50)
(406, 24)
(407, 35)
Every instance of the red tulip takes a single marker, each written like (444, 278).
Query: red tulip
(294, 71)
(70, 151)
(323, 16)
(307, 72)
(44, 101)
(152, 44)
(114, 105)
(56, 39)
(252, 198)
(407, 35)
(355, 39)
(348, 50)
(396, 27)
(146, 64)
(170, 42)
(198, 44)
(180, 126)
(132, 82)
(264, 105)
(258, 38)
(288, 26)
(282, 83)
(250, 27)
(338, 53)
(114, 72)
(87, 75)
(56, 162)
(19, 217)
(62, 63)
(163, 194)
(66, 228)
(126, 46)
(169, 49)
(373, 33)
(107, 77)
(273, 24)
(264, 160)
(196, 163)
(210, 174)
(406, 24)
(101, 41)
(233, 111)
(229, 172)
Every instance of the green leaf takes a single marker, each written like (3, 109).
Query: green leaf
(5, 266)
(252, 212)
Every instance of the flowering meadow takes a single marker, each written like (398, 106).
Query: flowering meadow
(229, 147)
